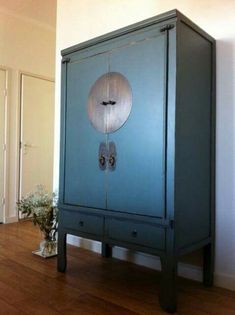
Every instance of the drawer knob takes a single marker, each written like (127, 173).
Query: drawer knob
(134, 233)
(81, 223)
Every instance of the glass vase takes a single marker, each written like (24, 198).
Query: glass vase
(47, 248)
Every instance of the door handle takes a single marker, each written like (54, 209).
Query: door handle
(108, 103)
(107, 156)
(102, 160)
(112, 160)
(102, 156)
(26, 146)
(112, 156)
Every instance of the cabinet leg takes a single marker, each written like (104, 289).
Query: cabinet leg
(208, 265)
(106, 250)
(168, 297)
(62, 256)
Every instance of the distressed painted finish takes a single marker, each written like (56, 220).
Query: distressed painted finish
(149, 185)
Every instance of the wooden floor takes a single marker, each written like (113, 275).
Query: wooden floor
(91, 286)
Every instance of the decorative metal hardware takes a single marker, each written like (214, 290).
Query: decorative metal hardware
(107, 156)
(102, 160)
(102, 156)
(167, 27)
(112, 156)
(65, 60)
(112, 160)
(110, 89)
(108, 103)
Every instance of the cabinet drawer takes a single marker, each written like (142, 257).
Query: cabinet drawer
(86, 223)
(137, 233)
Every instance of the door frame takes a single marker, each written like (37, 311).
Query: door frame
(22, 73)
(6, 144)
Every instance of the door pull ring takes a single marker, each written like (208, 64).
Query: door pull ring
(102, 160)
(112, 160)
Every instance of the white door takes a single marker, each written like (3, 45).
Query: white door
(3, 78)
(37, 133)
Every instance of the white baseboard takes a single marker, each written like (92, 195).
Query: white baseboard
(153, 262)
(184, 270)
(11, 219)
(224, 280)
(142, 259)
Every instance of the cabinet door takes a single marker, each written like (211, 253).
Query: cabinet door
(84, 181)
(137, 183)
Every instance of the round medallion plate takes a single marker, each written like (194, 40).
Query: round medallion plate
(109, 102)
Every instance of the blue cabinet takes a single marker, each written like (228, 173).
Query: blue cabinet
(137, 143)
(139, 164)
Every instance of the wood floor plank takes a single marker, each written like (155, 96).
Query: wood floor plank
(7, 309)
(10, 294)
(90, 304)
(35, 307)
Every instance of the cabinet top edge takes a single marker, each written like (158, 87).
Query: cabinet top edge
(169, 15)
(122, 31)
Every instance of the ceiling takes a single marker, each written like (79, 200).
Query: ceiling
(41, 11)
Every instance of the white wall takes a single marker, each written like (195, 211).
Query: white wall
(24, 46)
(79, 20)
